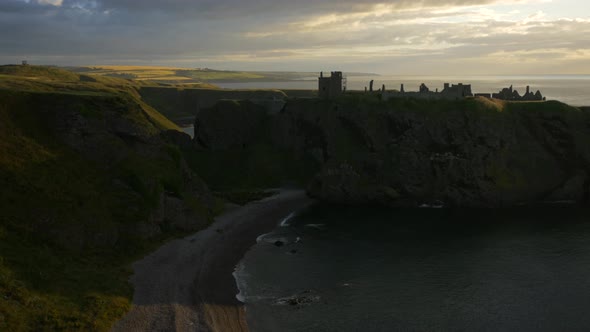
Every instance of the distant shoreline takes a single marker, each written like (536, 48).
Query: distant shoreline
(188, 284)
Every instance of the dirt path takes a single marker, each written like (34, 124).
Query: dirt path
(187, 284)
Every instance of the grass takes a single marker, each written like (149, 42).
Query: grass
(44, 288)
(176, 75)
(49, 79)
(43, 72)
(67, 218)
(167, 74)
(216, 75)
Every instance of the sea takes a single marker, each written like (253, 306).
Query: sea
(339, 268)
(570, 89)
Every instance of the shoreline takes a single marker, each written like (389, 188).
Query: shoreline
(188, 284)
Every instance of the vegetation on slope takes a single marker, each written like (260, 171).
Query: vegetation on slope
(83, 172)
(51, 79)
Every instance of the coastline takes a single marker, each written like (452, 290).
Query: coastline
(188, 284)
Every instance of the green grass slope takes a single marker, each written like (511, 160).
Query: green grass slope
(51, 79)
(83, 170)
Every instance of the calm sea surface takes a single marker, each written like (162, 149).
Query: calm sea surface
(363, 269)
(570, 89)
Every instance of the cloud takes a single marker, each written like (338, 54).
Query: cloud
(231, 8)
(392, 36)
(50, 2)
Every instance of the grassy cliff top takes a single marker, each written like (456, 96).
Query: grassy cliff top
(362, 101)
(39, 73)
(43, 79)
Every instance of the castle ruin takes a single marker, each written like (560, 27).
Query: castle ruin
(330, 87)
(334, 85)
(511, 94)
(460, 91)
(449, 92)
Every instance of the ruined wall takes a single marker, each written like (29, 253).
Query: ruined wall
(330, 87)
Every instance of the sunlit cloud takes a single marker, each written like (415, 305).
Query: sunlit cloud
(51, 2)
(413, 36)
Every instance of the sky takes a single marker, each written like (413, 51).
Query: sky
(399, 37)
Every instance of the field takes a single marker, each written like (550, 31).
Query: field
(175, 75)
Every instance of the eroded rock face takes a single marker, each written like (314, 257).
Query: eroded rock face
(229, 124)
(471, 153)
(148, 188)
(469, 157)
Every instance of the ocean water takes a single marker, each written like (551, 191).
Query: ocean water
(570, 89)
(371, 269)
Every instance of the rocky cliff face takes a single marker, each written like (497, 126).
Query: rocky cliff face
(94, 171)
(471, 153)
(230, 124)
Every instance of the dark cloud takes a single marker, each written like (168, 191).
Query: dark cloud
(272, 34)
(220, 9)
(230, 8)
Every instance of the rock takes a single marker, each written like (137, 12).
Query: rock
(180, 139)
(573, 190)
(302, 299)
(229, 124)
(403, 152)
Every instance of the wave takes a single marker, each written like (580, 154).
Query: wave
(239, 276)
(285, 221)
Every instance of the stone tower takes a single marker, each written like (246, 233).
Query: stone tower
(330, 87)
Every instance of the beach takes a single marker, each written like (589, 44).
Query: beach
(187, 284)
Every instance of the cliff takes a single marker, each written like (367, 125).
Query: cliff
(90, 180)
(182, 104)
(92, 176)
(405, 152)
(234, 149)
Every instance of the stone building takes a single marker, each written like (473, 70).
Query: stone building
(330, 87)
(449, 92)
(460, 91)
(456, 91)
(512, 94)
